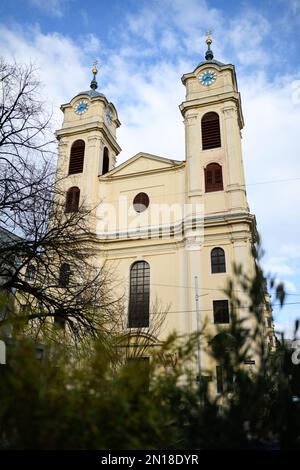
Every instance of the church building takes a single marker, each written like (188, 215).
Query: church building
(172, 229)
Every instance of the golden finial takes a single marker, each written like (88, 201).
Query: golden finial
(94, 83)
(94, 69)
(209, 53)
(208, 39)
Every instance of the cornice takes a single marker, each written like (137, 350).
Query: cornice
(210, 65)
(87, 128)
(230, 218)
(212, 100)
(98, 97)
(107, 177)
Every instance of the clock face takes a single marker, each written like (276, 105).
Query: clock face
(108, 116)
(207, 77)
(81, 107)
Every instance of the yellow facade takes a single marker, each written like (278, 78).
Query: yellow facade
(177, 253)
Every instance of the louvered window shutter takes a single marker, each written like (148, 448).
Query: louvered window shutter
(210, 128)
(77, 157)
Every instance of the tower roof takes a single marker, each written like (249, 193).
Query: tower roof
(91, 93)
(94, 84)
(209, 55)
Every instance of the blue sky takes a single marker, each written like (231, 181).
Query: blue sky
(144, 47)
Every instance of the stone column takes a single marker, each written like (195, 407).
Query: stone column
(91, 168)
(231, 132)
(192, 142)
(236, 180)
(63, 159)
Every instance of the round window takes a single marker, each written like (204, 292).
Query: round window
(141, 202)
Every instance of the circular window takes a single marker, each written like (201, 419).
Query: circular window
(141, 202)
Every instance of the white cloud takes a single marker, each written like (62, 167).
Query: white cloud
(173, 23)
(246, 35)
(290, 287)
(169, 41)
(50, 7)
(278, 266)
(143, 24)
(284, 327)
(148, 100)
(58, 59)
(285, 321)
(91, 43)
(292, 251)
(271, 145)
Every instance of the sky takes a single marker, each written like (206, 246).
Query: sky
(143, 48)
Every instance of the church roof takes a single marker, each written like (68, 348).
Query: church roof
(162, 163)
(207, 62)
(92, 93)
(94, 85)
(209, 56)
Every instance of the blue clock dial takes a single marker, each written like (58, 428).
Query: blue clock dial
(81, 107)
(207, 77)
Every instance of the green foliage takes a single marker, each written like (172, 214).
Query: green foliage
(95, 401)
(53, 404)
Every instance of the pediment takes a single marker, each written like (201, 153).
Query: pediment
(143, 162)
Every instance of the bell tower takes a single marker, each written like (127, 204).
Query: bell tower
(214, 179)
(87, 145)
(213, 122)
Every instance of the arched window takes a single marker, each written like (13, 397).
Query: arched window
(72, 199)
(76, 157)
(105, 164)
(217, 258)
(139, 295)
(210, 129)
(64, 275)
(222, 345)
(213, 177)
(225, 379)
